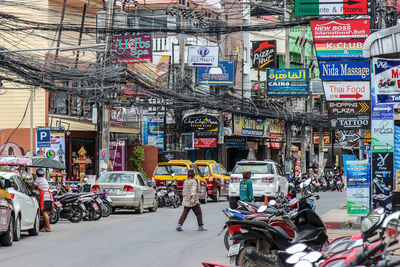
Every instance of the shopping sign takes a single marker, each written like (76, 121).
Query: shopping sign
(264, 54)
(203, 56)
(340, 29)
(343, 49)
(358, 187)
(387, 80)
(132, 48)
(346, 90)
(345, 70)
(287, 82)
(330, 7)
(348, 108)
(224, 74)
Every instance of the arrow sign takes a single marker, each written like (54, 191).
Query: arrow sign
(386, 147)
(358, 208)
(356, 96)
(357, 179)
(386, 108)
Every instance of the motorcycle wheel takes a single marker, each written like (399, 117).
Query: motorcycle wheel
(173, 202)
(97, 214)
(227, 240)
(106, 210)
(90, 214)
(161, 202)
(243, 260)
(78, 214)
(54, 216)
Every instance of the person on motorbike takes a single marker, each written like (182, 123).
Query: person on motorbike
(190, 201)
(246, 187)
(42, 185)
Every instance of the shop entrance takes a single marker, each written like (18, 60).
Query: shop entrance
(234, 155)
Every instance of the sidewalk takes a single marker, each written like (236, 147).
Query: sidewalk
(338, 219)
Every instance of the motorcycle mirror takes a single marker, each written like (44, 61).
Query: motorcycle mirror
(373, 219)
(307, 182)
(303, 263)
(296, 248)
(301, 185)
(272, 202)
(173, 174)
(312, 256)
(295, 258)
(261, 209)
(392, 229)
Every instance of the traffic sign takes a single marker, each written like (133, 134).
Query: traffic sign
(346, 90)
(43, 137)
(350, 108)
(332, 7)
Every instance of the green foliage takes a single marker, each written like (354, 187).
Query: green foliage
(4, 169)
(137, 158)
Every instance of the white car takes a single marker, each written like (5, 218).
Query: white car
(267, 177)
(26, 207)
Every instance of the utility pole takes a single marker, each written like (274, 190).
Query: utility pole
(303, 130)
(288, 151)
(31, 122)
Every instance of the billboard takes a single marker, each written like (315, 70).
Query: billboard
(287, 82)
(132, 48)
(264, 54)
(387, 80)
(340, 29)
(329, 8)
(203, 56)
(249, 126)
(345, 70)
(117, 155)
(224, 74)
(339, 49)
(153, 131)
(358, 187)
(56, 147)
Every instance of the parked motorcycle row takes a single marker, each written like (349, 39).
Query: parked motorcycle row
(168, 195)
(288, 232)
(329, 181)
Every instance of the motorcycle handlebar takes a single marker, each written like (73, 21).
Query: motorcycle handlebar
(258, 257)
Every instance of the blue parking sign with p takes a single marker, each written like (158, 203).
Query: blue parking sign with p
(43, 137)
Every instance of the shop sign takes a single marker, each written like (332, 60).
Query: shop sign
(350, 122)
(264, 54)
(56, 148)
(205, 142)
(203, 56)
(117, 156)
(273, 128)
(116, 116)
(345, 70)
(387, 80)
(224, 74)
(348, 108)
(346, 90)
(340, 29)
(132, 48)
(330, 8)
(249, 126)
(235, 141)
(201, 123)
(396, 159)
(153, 131)
(287, 82)
(343, 49)
(327, 138)
(358, 187)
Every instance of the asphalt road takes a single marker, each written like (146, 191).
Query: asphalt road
(127, 239)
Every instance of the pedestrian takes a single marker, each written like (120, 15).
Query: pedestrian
(246, 187)
(45, 197)
(191, 201)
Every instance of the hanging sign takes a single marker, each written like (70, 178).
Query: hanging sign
(249, 126)
(358, 187)
(340, 29)
(116, 116)
(350, 122)
(203, 56)
(132, 48)
(200, 123)
(345, 70)
(224, 74)
(287, 82)
(235, 141)
(346, 90)
(387, 80)
(330, 8)
(264, 54)
(343, 49)
(348, 108)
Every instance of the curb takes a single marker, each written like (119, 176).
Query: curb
(341, 225)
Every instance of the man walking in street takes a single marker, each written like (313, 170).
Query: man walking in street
(42, 185)
(191, 201)
(246, 187)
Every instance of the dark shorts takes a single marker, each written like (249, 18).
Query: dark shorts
(47, 205)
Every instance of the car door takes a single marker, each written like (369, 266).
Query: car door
(29, 204)
(144, 188)
(225, 181)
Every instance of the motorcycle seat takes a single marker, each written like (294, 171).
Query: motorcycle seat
(307, 234)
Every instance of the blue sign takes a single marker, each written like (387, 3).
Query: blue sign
(43, 137)
(358, 187)
(224, 74)
(287, 82)
(345, 70)
(387, 80)
(235, 141)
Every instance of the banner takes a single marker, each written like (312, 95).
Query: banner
(329, 8)
(205, 142)
(397, 157)
(344, 49)
(56, 148)
(116, 116)
(387, 80)
(358, 187)
(132, 48)
(345, 70)
(264, 54)
(224, 74)
(117, 155)
(153, 132)
(287, 82)
(340, 29)
(249, 126)
(203, 56)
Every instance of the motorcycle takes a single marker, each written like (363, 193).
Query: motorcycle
(168, 195)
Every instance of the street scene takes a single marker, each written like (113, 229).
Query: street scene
(206, 133)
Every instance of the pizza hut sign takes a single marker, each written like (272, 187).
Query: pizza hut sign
(205, 142)
(201, 123)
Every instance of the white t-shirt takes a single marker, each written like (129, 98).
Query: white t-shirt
(42, 183)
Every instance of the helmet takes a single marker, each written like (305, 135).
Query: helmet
(40, 172)
(191, 172)
(246, 173)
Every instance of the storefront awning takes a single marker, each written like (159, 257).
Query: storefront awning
(383, 42)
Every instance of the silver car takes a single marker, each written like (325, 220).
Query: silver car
(129, 190)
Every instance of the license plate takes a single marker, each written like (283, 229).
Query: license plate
(171, 194)
(234, 250)
(58, 204)
(95, 206)
(112, 190)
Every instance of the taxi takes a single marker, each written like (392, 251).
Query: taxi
(217, 178)
(176, 171)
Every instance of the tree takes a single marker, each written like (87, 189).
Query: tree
(137, 158)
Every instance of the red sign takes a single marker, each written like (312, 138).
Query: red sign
(205, 142)
(340, 29)
(116, 116)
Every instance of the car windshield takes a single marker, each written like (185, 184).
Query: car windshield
(170, 169)
(204, 169)
(116, 178)
(260, 168)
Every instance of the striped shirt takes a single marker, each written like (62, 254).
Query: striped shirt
(190, 191)
(42, 183)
